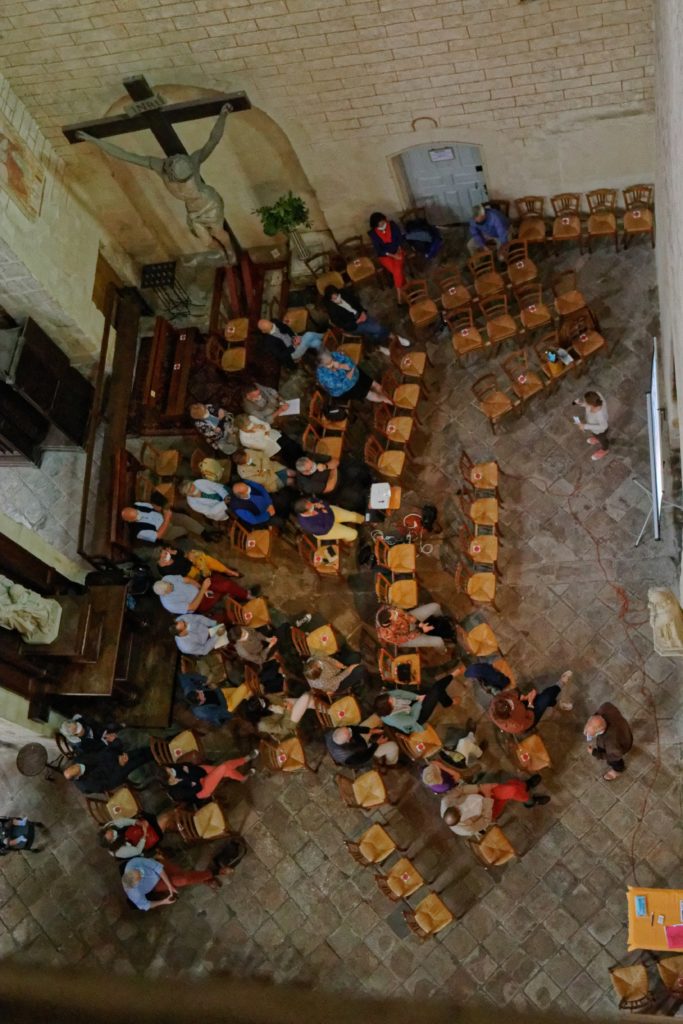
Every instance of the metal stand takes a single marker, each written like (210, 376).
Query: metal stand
(160, 277)
(648, 517)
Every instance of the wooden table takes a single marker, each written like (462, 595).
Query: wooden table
(647, 932)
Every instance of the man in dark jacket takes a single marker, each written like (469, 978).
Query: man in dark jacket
(107, 770)
(609, 737)
(346, 312)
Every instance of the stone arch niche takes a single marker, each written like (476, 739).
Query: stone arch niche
(253, 164)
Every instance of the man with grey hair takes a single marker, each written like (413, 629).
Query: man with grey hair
(181, 595)
(489, 228)
(609, 738)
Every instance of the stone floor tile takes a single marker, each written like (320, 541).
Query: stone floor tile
(542, 990)
(584, 991)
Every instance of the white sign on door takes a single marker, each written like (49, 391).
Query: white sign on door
(440, 154)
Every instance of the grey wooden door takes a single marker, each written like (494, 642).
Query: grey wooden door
(448, 180)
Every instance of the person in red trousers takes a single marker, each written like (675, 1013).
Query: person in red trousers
(195, 783)
(387, 241)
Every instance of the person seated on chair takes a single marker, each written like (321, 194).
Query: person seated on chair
(18, 834)
(387, 241)
(326, 522)
(207, 497)
(181, 594)
(252, 646)
(488, 228)
(257, 435)
(346, 312)
(439, 776)
(424, 626)
(124, 838)
(216, 425)
(107, 770)
(86, 735)
(516, 712)
(196, 564)
(151, 520)
(149, 882)
(340, 377)
(355, 746)
(255, 508)
(327, 674)
(212, 704)
(348, 481)
(469, 810)
(195, 635)
(257, 466)
(264, 403)
(288, 348)
(408, 711)
(194, 784)
(423, 237)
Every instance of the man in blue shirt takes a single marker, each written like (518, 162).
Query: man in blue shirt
(146, 875)
(488, 227)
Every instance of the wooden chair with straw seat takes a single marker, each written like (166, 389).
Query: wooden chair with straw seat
(602, 216)
(480, 587)
(568, 298)
(524, 381)
(234, 359)
(186, 747)
(531, 227)
(482, 513)
(670, 971)
(389, 666)
(567, 223)
(365, 791)
(343, 711)
(552, 369)
(503, 666)
(499, 322)
(162, 462)
(487, 280)
(321, 640)
(481, 549)
(389, 463)
(213, 350)
(313, 441)
(398, 558)
(493, 849)
(454, 294)
(499, 204)
(236, 331)
(394, 429)
(632, 987)
(212, 466)
(581, 333)
(401, 880)
(465, 336)
(324, 558)
(639, 216)
(530, 753)
(360, 267)
(483, 476)
(253, 613)
(409, 362)
(316, 416)
(533, 312)
(373, 847)
(254, 544)
(350, 345)
(297, 318)
(202, 826)
(284, 756)
(479, 641)
(121, 803)
(492, 400)
(401, 593)
(417, 746)
(403, 396)
(422, 309)
(429, 917)
(521, 268)
(322, 268)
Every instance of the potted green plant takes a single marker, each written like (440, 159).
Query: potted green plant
(284, 216)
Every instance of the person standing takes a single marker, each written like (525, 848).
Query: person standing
(596, 422)
(609, 738)
(516, 712)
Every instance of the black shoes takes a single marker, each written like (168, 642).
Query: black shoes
(537, 800)
(533, 781)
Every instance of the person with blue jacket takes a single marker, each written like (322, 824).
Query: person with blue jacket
(252, 504)
(488, 227)
(408, 711)
(212, 704)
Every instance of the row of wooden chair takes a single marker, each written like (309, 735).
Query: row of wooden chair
(638, 216)
(632, 986)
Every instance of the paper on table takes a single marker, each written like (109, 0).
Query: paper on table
(293, 407)
(674, 936)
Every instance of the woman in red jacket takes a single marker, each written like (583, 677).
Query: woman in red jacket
(387, 240)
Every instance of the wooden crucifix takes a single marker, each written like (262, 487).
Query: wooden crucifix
(180, 170)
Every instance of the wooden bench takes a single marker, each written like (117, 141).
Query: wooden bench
(125, 468)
